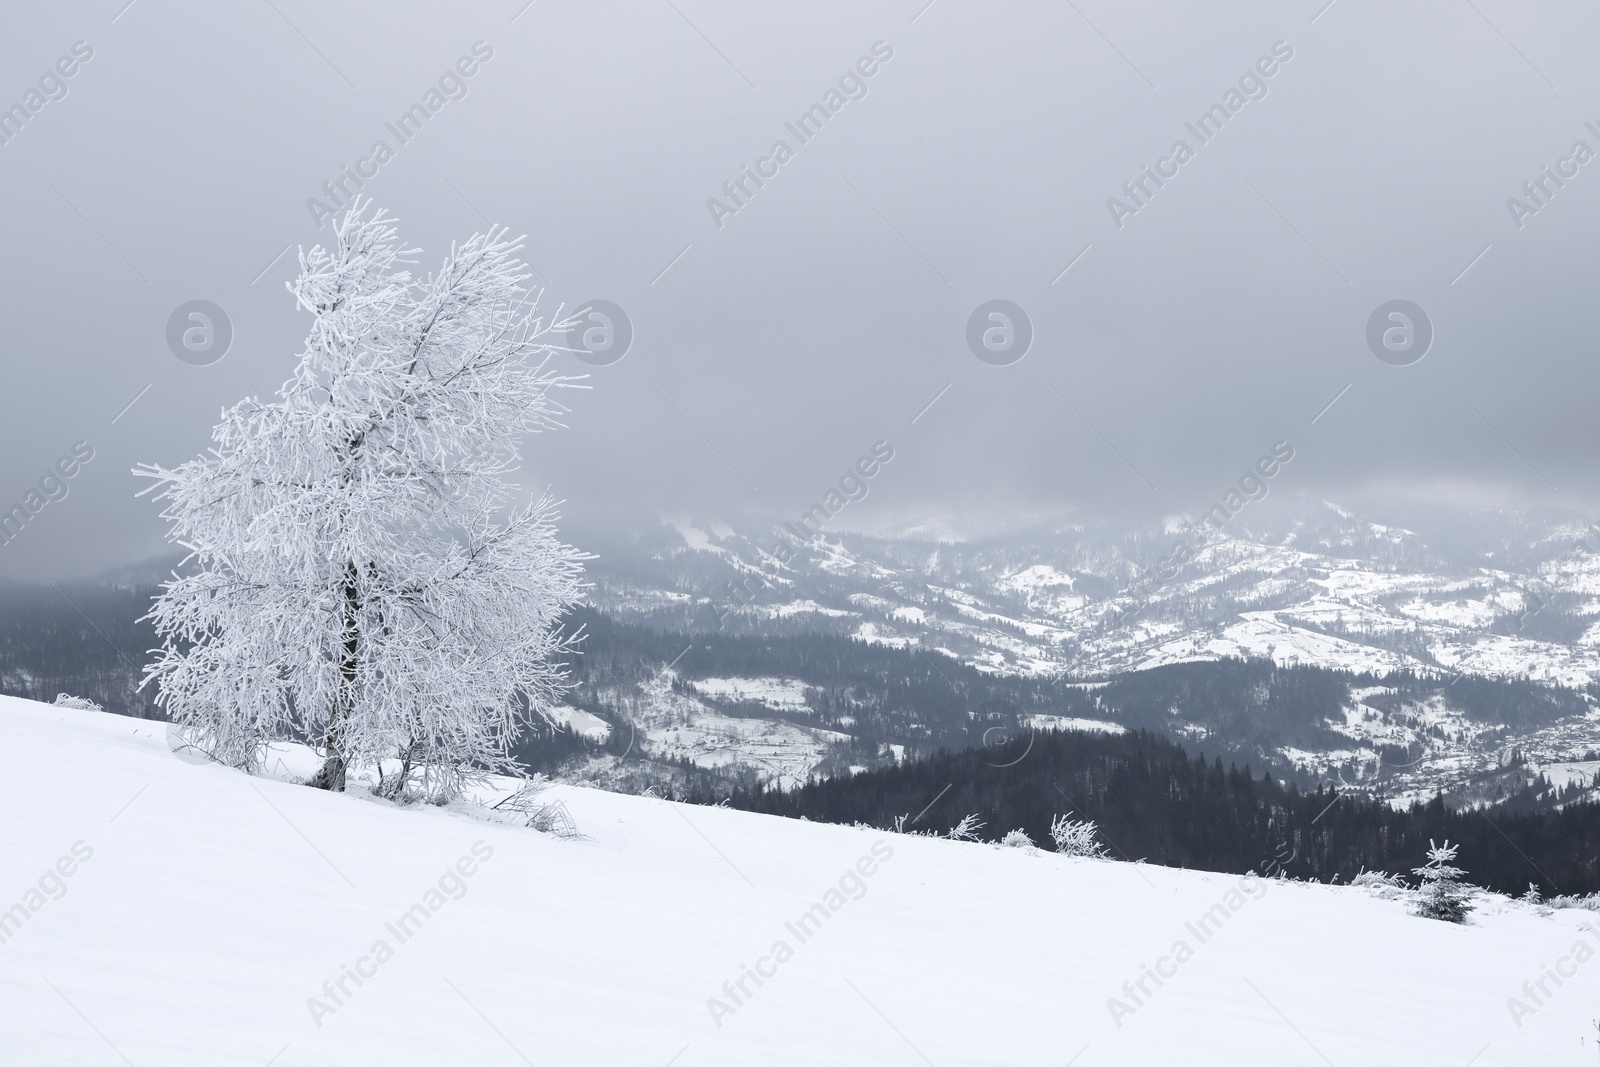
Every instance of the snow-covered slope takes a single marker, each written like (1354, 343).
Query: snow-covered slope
(204, 910)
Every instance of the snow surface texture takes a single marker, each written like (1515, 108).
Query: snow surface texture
(212, 907)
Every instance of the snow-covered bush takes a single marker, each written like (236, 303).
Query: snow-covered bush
(966, 830)
(1017, 839)
(1442, 895)
(67, 700)
(902, 826)
(1561, 903)
(1382, 884)
(554, 818)
(1535, 899)
(1076, 837)
(548, 817)
(359, 572)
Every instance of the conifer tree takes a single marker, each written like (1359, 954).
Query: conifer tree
(1442, 894)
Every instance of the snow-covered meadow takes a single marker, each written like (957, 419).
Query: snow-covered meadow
(215, 918)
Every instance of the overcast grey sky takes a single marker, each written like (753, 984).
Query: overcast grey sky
(775, 344)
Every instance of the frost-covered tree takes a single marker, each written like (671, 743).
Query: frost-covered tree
(360, 575)
(1442, 894)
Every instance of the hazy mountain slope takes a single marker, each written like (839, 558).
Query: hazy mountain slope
(778, 708)
(1300, 582)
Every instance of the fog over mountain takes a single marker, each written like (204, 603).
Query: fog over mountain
(1296, 581)
(633, 531)
(1185, 310)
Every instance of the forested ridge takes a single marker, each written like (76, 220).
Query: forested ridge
(87, 639)
(1155, 801)
(81, 638)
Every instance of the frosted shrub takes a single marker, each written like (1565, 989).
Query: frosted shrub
(901, 827)
(1075, 837)
(967, 829)
(1017, 839)
(1382, 884)
(547, 817)
(1588, 903)
(554, 818)
(66, 700)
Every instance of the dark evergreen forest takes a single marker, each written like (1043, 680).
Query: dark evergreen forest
(81, 639)
(1154, 801)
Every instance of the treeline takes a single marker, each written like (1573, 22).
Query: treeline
(1153, 801)
(81, 639)
(928, 701)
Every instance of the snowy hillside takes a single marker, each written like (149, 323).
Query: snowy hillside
(162, 912)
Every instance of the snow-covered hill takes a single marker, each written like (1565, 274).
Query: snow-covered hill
(164, 913)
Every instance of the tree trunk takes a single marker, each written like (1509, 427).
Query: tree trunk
(331, 776)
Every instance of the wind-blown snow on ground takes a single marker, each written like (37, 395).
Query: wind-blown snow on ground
(213, 906)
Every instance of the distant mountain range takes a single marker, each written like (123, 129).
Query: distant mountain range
(1463, 661)
(1497, 594)
(1453, 652)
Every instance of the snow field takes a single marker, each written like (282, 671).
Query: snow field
(781, 694)
(1067, 722)
(215, 907)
